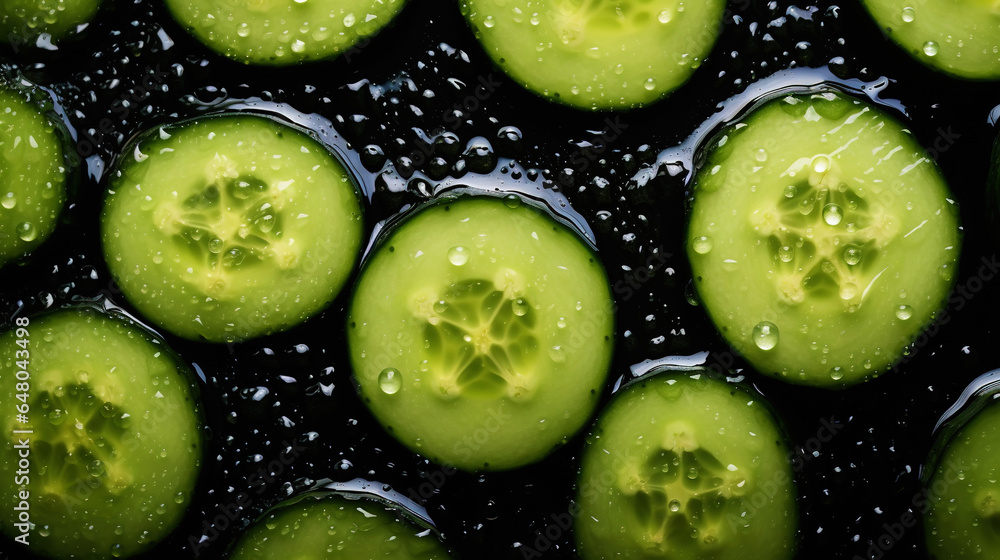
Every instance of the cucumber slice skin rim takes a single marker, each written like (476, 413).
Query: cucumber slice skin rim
(581, 63)
(815, 341)
(488, 418)
(317, 508)
(30, 207)
(336, 33)
(138, 465)
(311, 199)
(20, 29)
(640, 500)
(958, 38)
(961, 514)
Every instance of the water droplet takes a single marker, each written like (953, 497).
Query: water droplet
(833, 214)
(791, 191)
(489, 21)
(233, 257)
(675, 506)
(26, 231)
(520, 307)
(665, 16)
(650, 84)
(557, 354)
(216, 245)
(730, 265)
(909, 14)
(9, 201)
(390, 381)
(349, 20)
(702, 245)
(786, 253)
(837, 373)
(561, 323)
(692, 473)
(821, 164)
(108, 410)
(179, 498)
(243, 30)
(904, 312)
(95, 468)
(765, 335)
(458, 255)
(512, 201)
(848, 291)
(57, 417)
(852, 255)
(440, 306)
(930, 48)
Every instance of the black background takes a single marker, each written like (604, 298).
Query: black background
(121, 78)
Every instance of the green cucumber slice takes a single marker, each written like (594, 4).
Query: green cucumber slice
(331, 527)
(481, 332)
(682, 465)
(822, 239)
(282, 32)
(230, 227)
(33, 173)
(961, 37)
(27, 20)
(962, 516)
(115, 442)
(594, 54)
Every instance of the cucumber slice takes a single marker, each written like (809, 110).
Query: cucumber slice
(960, 37)
(282, 32)
(822, 239)
(330, 527)
(962, 516)
(230, 227)
(115, 442)
(682, 465)
(26, 21)
(593, 54)
(481, 332)
(33, 173)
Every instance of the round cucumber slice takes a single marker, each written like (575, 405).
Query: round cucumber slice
(481, 332)
(331, 527)
(110, 444)
(597, 55)
(962, 519)
(230, 227)
(33, 173)
(281, 32)
(682, 465)
(961, 38)
(28, 20)
(822, 239)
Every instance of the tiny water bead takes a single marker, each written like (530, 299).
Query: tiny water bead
(702, 245)
(458, 255)
(520, 307)
(765, 335)
(390, 381)
(904, 312)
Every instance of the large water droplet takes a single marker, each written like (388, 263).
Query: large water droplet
(848, 291)
(821, 164)
(26, 231)
(837, 373)
(909, 14)
(852, 255)
(786, 253)
(675, 506)
(512, 201)
(702, 245)
(904, 312)
(519, 307)
(833, 214)
(930, 48)
(765, 335)
(458, 255)
(665, 16)
(390, 381)
(9, 201)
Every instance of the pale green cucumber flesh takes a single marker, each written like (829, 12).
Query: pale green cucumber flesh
(822, 239)
(686, 466)
(481, 332)
(230, 227)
